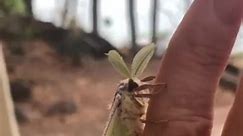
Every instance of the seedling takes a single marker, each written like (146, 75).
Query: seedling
(130, 102)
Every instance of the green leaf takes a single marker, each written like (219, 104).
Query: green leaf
(141, 60)
(118, 63)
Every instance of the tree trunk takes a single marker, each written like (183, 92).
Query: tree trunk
(95, 16)
(131, 7)
(154, 20)
(64, 13)
(28, 5)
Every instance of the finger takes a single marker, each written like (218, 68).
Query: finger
(196, 57)
(234, 122)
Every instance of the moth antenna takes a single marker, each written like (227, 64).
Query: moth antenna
(147, 79)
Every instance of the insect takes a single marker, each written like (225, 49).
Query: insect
(129, 103)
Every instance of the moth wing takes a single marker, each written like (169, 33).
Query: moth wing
(113, 109)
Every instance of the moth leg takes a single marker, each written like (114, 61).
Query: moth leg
(156, 91)
(150, 87)
(149, 95)
(147, 79)
(163, 121)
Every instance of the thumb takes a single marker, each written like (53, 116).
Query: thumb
(197, 55)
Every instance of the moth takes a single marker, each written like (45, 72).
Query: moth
(130, 103)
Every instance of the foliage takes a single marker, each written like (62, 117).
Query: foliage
(12, 7)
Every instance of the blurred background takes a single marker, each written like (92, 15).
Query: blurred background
(61, 81)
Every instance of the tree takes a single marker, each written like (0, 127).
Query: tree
(131, 7)
(95, 16)
(28, 5)
(65, 12)
(154, 20)
(69, 12)
(12, 7)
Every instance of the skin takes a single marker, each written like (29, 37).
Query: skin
(196, 57)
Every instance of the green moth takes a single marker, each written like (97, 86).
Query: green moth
(129, 104)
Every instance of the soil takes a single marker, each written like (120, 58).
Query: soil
(91, 87)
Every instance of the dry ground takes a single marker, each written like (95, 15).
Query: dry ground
(91, 87)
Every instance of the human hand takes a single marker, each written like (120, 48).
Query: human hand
(194, 61)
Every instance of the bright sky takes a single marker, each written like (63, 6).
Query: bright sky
(116, 11)
(170, 14)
